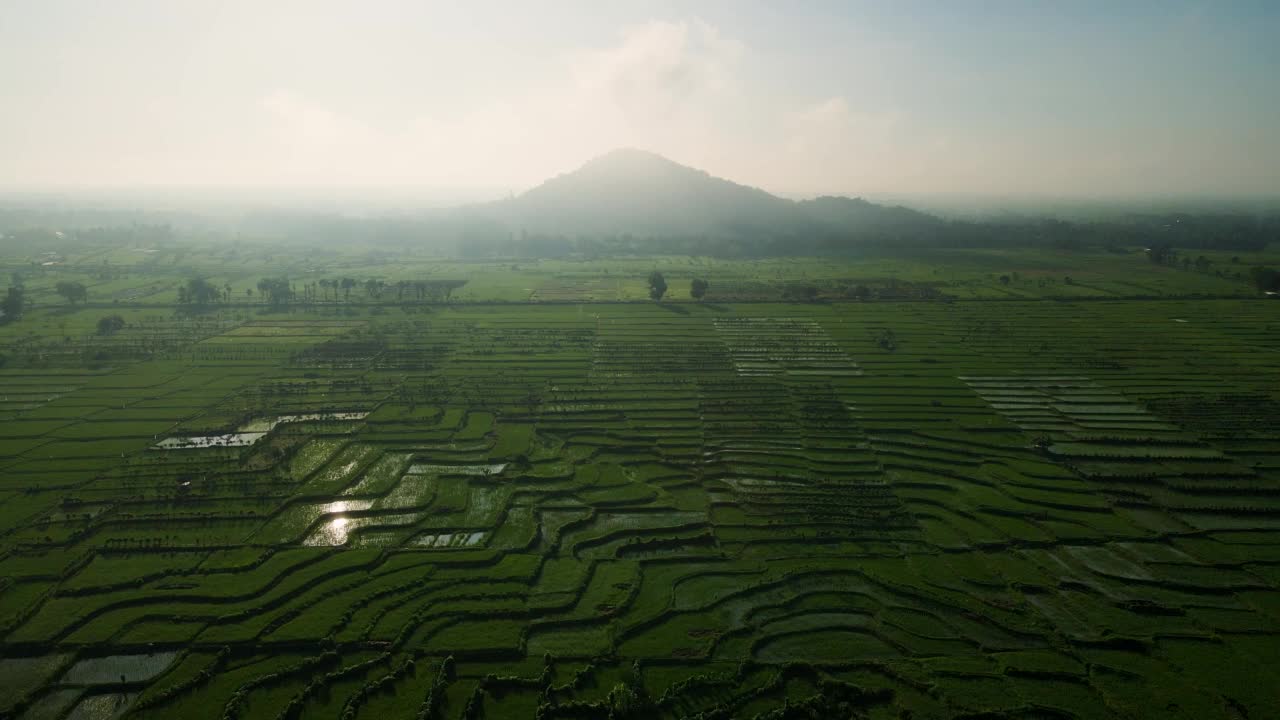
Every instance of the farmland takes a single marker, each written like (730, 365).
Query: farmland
(1005, 483)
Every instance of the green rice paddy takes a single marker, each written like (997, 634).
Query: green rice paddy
(550, 497)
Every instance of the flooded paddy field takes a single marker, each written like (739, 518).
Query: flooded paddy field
(1025, 508)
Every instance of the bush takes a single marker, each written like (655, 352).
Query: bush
(1266, 279)
(110, 324)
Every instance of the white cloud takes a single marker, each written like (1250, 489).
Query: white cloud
(657, 87)
(658, 66)
(670, 87)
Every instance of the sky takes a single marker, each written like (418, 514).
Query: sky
(964, 97)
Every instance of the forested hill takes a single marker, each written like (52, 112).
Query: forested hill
(635, 201)
(632, 191)
(640, 193)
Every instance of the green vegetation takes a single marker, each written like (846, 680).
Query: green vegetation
(657, 285)
(242, 482)
(698, 288)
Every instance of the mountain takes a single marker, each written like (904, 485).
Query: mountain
(854, 215)
(642, 193)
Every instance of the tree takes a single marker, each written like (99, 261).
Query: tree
(347, 284)
(276, 291)
(110, 324)
(14, 301)
(887, 340)
(199, 292)
(1266, 279)
(657, 285)
(1004, 279)
(698, 289)
(73, 291)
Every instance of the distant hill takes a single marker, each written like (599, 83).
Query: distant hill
(842, 215)
(642, 193)
(632, 202)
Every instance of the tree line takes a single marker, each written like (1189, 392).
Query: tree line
(658, 287)
(1265, 279)
(279, 291)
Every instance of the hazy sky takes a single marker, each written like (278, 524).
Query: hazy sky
(795, 97)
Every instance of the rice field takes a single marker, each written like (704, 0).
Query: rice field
(1028, 506)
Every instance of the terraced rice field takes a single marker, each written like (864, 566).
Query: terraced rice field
(1024, 509)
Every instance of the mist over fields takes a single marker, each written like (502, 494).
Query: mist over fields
(637, 201)
(405, 359)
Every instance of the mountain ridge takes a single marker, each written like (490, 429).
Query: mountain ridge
(634, 191)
